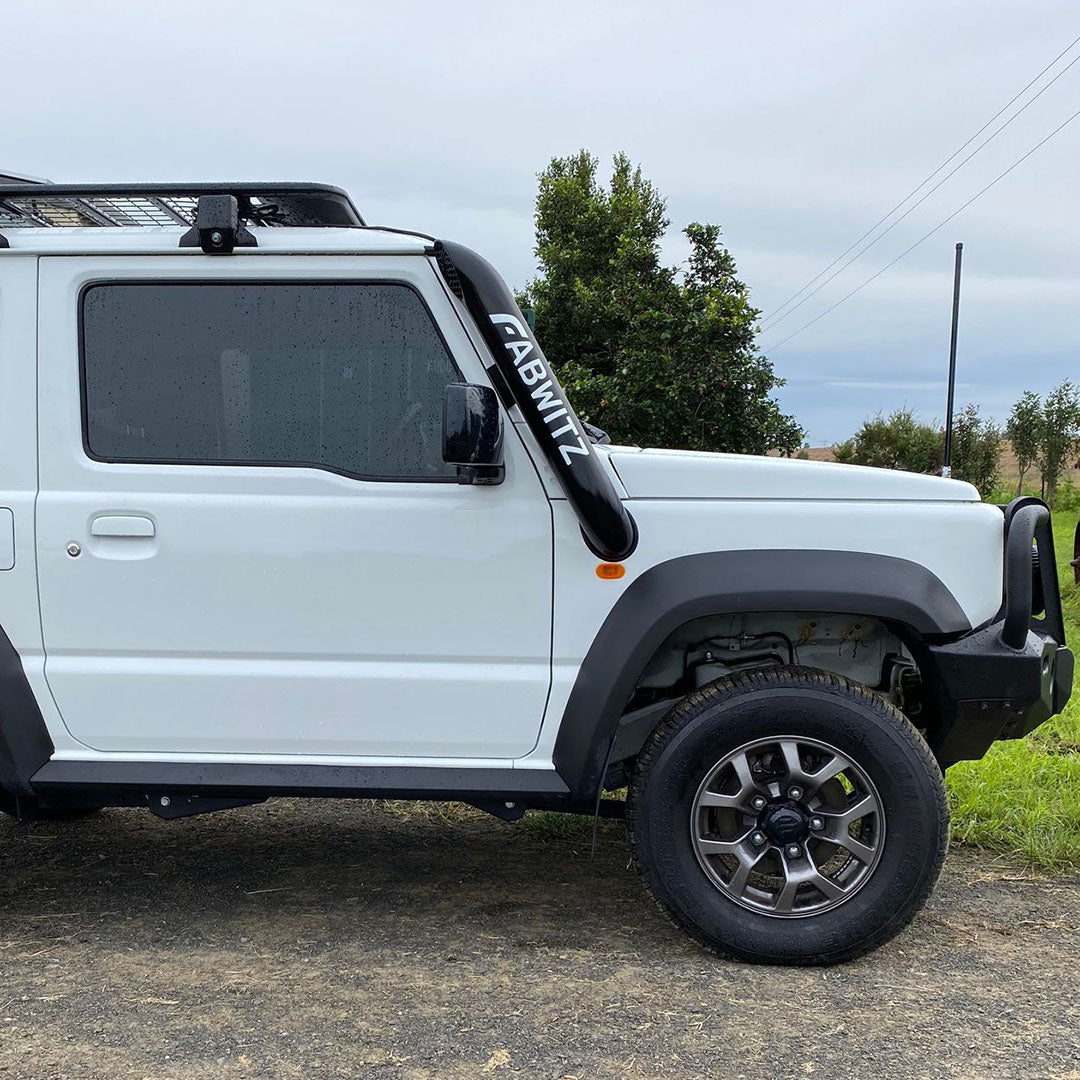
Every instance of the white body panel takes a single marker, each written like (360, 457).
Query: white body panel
(276, 615)
(683, 474)
(967, 557)
(19, 475)
(164, 240)
(285, 611)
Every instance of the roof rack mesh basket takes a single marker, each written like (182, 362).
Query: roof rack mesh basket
(97, 205)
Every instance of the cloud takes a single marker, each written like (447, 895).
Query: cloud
(871, 384)
(793, 126)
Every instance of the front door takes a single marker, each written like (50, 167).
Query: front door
(248, 542)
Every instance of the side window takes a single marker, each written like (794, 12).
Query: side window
(346, 376)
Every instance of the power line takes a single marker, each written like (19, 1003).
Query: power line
(914, 206)
(926, 236)
(776, 316)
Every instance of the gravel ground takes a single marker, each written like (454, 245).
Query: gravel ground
(332, 939)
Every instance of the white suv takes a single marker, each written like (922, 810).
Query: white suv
(291, 505)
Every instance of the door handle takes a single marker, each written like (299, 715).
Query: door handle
(128, 526)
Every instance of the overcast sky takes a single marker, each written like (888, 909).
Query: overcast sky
(794, 125)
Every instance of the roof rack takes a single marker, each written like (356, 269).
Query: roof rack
(260, 204)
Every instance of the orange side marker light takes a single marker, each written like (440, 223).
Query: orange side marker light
(610, 571)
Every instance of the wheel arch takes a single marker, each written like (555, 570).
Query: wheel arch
(901, 593)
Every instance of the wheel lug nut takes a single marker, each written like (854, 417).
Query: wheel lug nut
(817, 824)
(757, 839)
(795, 793)
(758, 802)
(793, 851)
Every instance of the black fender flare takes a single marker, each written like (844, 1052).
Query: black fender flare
(25, 744)
(672, 593)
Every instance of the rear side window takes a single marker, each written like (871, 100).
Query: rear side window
(349, 377)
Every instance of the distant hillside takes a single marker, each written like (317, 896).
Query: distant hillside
(812, 453)
(1009, 472)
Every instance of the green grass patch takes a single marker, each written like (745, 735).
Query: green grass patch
(1023, 798)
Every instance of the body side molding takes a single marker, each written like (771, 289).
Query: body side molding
(674, 592)
(245, 778)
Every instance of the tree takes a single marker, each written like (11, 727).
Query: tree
(1024, 430)
(1060, 435)
(898, 441)
(976, 449)
(650, 355)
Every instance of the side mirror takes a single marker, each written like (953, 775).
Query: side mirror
(473, 433)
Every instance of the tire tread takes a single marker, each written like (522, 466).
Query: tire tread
(787, 677)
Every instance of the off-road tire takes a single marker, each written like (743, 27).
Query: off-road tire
(812, 704)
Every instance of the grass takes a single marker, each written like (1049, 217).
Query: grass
(1023, 798)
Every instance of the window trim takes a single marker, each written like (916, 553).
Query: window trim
(84, 405)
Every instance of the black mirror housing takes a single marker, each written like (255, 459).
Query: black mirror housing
(473, 433)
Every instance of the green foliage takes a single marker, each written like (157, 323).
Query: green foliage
(1046, 434)
(1067, 499)
(976, 450)
(1024, 430)
(898, 441)
(1023, 798)
(650, 356)
(1060, 435)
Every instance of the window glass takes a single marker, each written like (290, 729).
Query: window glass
(349, 376)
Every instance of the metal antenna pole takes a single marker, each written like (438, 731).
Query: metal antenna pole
(946, 467)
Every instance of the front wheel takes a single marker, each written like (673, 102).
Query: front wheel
(788, 816)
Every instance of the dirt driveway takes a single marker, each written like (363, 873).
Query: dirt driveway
(331, 940)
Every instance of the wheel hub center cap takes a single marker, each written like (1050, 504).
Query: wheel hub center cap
(785, 823)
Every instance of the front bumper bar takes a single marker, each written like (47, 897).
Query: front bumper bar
(1004, 680)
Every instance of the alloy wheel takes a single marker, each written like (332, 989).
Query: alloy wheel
(788, 826)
